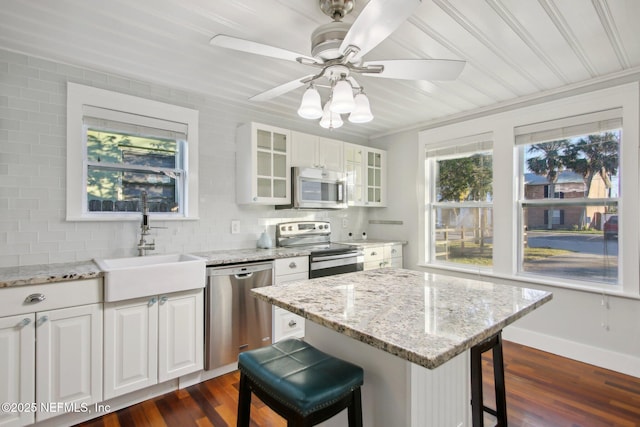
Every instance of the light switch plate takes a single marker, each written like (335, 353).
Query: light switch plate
(235, 226)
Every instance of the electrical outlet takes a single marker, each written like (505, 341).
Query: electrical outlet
(235, 226)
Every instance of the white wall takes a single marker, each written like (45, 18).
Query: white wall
(33, 229)
(587, 326)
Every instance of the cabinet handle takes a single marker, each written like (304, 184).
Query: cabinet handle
(33, 298)
(24, 322)
(292, 323)
(393, 251)
(293, 265)
(152, 301)
(255, 199)
(42, 320)
(163, 299)
(374, 253)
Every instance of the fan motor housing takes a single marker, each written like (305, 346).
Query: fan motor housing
(326, 40)
(336, 9)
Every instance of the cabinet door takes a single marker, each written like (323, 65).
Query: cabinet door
(69, 356)
(376, 179)
(17, 367)
(330, 154)
(180, 334)
(354, 170)
(272, 165)
(304, 150)
(131, 345)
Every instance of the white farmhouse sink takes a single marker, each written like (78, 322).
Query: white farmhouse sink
(134, 277)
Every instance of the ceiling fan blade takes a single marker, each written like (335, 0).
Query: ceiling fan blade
(418, 69)
(376, 22)
(242, 45)
(281, 90)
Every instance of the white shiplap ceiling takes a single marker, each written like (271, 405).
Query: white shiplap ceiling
(513, 48)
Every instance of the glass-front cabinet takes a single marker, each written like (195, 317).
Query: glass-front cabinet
(365, 168)
(263, 168)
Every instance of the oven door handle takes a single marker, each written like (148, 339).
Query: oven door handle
(319, 258)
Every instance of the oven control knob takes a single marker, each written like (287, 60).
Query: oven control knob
(283, 228)
(290, 228)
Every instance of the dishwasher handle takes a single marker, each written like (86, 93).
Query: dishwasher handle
(242, 276)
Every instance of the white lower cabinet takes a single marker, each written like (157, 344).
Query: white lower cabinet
(64, 369)
(285, 323)
(383, 256)
(152, 340)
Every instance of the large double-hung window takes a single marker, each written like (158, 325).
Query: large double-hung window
(459, 201)
(569, 197)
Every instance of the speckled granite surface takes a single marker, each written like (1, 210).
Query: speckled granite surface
(424, 318)
(233, 256)
(48, 273)
(372, 242)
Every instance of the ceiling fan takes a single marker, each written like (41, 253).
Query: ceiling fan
(337, 49)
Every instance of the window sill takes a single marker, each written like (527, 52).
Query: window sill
(133, 216)
(484, 274)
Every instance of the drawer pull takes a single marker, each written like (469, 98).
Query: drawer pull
(293, 265)
(292, 323)
(33, 298)
(394, 251)
(374, 253)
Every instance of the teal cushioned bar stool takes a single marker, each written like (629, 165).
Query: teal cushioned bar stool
(299, 382)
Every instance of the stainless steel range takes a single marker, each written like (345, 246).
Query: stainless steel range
(326, 258)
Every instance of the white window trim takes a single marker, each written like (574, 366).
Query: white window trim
(505, 191)
(79, 97)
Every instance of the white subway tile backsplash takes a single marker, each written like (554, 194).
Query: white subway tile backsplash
(33, 172)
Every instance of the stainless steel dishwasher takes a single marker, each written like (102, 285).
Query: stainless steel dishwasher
(235, 321)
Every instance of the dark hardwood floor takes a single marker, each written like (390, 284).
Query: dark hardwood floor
(543, 390)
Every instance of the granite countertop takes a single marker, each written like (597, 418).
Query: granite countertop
(52, 273)
(424, 318)
(48, 273)
(233, 256)
(371, 242)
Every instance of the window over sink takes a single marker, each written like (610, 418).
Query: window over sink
(120, 146)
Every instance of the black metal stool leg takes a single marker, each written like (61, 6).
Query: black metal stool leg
(476, 388)
(477, 403)
(498, 373)
(244, 402)
(355, 409)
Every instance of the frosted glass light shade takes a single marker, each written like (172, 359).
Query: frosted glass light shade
(330, 120)
(311, 106)
(342, 98)
(362, 111)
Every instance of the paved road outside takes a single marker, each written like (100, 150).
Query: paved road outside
(593, 257)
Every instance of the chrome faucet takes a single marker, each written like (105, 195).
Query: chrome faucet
(143, 245)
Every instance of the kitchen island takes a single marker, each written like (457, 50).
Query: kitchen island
(410, 331)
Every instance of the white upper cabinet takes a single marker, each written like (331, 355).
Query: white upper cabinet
(263, 165)
(366, 175)
(316, 152)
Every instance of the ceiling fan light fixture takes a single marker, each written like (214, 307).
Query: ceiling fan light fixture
(330, 120)
(342, 97)
(362, 110)
(311, 105)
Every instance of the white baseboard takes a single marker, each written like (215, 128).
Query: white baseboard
(603, 358)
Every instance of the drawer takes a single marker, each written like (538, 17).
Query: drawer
(293, 265)
(374, 253)
(287, 325)
(56, 295)
(392, 251)
(291, 277)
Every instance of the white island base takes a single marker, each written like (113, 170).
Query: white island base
(397, 392)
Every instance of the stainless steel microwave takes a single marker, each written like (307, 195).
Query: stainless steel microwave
(314, 188)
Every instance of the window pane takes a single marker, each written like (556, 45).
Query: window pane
(464, 235)
(574, 235)
(588, 254)
(465, 179)
(122, 166)
(113, 147)
(111, 190)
